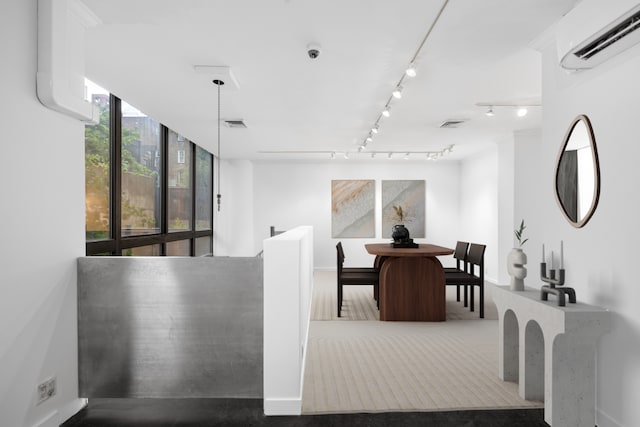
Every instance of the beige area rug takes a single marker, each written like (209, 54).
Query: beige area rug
(373, 366)
(358, 302)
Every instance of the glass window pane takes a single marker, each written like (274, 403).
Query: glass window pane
(97, 155)
(204, 183)
(151, 250)
(203, 246)
(141, 167)
(179, 174)
(179, 248)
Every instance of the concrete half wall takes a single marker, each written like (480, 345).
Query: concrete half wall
(170, 327)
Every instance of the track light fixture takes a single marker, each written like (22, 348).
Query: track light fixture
(409, 72)
(521, 107)
(430, 155)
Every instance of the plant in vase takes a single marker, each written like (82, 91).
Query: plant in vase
(516, 261)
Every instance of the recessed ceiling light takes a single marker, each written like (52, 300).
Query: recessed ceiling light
(521, 112)
(490, 112)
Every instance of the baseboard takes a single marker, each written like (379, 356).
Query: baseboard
(283, 406)
(491, 280)
(59, 416)
(604, 420)
(71, 408)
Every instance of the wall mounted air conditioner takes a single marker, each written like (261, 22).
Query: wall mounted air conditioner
(595, 31)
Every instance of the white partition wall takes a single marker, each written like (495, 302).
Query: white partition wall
(288, 281)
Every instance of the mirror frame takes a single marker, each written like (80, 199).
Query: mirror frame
(596, 166)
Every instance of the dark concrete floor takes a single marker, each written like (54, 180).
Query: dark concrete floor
(248, 412)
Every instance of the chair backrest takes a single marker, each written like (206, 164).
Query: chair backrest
(460, 254)
(476, 257)
(340, 260)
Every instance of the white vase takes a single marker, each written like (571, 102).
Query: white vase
(516, 261)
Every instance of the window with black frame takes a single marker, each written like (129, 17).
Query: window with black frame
(148, 189)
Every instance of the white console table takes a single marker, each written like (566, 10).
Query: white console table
(550, 352)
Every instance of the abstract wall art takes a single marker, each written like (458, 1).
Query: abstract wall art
(352, 208)
(403, 202)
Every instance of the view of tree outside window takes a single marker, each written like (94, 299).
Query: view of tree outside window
(141, 167)
(204, 198)
(97, 168)
(179, 175)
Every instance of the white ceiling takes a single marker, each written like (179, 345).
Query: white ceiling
(145, 52)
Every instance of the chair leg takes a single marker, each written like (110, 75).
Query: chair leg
(482, 300)
(458, 293)
(466, 296)
(473, 299)
(339, 299)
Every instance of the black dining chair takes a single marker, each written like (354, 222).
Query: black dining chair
(354, 276)
(460, 255)
(474, 277)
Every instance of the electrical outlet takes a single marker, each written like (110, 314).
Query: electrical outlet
(46, 389)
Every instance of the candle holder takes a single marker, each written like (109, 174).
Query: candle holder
(552, 281)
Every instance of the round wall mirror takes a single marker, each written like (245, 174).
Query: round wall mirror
(578, 173)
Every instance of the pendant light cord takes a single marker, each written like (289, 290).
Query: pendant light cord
(219, 196)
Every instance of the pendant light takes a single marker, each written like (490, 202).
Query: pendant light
(218, 83)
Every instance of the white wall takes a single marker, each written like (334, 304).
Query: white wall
(505, 204)
(42, 231)
(479, 206)
(288, 194)
(600, 258)
(233, 224)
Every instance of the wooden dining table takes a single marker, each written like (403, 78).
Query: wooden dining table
(412, 283)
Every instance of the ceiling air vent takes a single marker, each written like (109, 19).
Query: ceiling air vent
(238, 123)
(452, 123)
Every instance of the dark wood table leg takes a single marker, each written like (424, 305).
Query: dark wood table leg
(412, 288)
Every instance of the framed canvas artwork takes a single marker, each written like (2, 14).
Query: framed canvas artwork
(352, 208)
(403, 202)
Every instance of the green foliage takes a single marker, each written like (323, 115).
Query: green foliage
(97, 176)
(519, 234)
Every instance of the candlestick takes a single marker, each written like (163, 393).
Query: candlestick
(551, 260)
(543, 253)
(561, 254)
